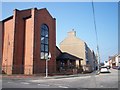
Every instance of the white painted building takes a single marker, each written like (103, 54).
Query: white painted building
(117, 60)
(113, 61)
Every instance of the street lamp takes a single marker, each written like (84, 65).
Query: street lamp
(47, 59)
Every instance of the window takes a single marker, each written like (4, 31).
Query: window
(44, 41)
(87, 62)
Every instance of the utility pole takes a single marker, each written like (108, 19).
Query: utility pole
(98, 54)
(98, 58)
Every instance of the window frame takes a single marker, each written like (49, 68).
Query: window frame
(44, 28)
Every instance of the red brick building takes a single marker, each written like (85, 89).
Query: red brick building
(28, 37)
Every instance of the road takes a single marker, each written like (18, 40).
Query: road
(105, 80)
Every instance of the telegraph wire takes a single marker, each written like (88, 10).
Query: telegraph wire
(94, 21)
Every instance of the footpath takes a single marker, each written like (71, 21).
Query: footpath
(43, 77)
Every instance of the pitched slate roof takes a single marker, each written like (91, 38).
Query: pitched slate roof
(67, 56)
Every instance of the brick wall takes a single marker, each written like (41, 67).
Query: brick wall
(21, 51)
(43, 17)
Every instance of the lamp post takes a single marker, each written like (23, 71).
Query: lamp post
(47, 59)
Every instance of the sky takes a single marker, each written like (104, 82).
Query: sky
(79, 16)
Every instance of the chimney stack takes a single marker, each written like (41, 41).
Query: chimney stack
(72, 33)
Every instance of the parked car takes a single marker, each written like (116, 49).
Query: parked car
(104, 70)
(116, 67)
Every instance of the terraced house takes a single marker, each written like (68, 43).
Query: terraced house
(77, 47)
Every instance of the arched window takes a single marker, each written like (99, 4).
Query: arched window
(44, 41)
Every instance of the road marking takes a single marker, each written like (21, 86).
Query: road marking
(97, 76)
(9, 82)
(24, 83)
(63, 87)
(38, 80)
(42, 85)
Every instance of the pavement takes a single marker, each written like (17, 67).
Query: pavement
(49, 77)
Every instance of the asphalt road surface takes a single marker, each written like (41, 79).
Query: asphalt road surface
(104, 80)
